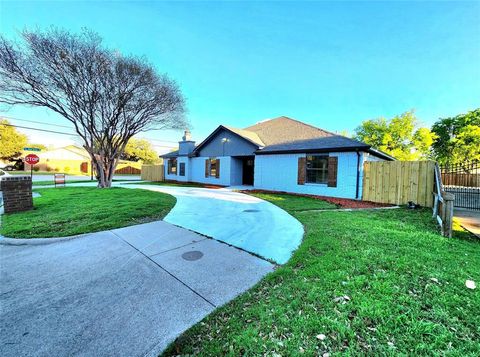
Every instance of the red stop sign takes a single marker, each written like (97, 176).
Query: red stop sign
(32, 159)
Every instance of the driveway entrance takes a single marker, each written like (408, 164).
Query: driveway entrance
(125, 292)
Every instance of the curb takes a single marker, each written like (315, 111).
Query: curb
(37, 241)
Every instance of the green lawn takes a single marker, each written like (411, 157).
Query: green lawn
(293, 203)
(68, 211)
(51, 182)
(167, 183)
(378, 282)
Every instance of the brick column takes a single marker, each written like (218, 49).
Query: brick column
(17, 193)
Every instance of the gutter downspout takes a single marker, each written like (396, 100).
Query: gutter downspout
(358, 175)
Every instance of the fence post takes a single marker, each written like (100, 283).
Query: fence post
(448, 212)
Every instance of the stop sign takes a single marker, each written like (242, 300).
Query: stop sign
(32, 159)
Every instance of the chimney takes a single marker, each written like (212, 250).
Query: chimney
(187, 136)
(186, 146)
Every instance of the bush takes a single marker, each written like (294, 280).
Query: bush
(48, 169)
(36, 168)
(66, 169)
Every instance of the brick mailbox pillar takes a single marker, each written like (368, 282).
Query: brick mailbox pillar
(17, 193)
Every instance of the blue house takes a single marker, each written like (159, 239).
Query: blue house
(280, 154)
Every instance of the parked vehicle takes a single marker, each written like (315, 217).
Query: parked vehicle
(15, 165)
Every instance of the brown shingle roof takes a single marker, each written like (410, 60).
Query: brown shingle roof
(283, 130)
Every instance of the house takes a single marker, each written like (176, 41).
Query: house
(75, 160)
(280, 154)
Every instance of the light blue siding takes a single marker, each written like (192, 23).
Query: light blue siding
(236, 172)
(234, 146)
(177, 177)
(279, 173)
(198, 171)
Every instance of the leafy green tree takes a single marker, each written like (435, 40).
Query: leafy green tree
(400, 137)
(457, 138)
(12, 142)
(140, 150)
(466, 145)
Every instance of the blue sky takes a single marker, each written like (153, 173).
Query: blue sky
(329, 64)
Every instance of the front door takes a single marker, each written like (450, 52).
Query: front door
(248, 165)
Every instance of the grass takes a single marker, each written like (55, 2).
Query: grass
(168, 183)
(46, 173)
(379, 282)
(51, 182)
(293, 203)
(69, 211)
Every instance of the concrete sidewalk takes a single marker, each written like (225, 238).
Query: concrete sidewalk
(124, 292)
(468, 219)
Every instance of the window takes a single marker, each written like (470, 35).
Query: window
(212, 167)
(172, 166)
(182, 169)
(317, 169)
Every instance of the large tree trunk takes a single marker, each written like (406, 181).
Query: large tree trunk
(105, 168)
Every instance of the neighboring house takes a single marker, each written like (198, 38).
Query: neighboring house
(280, 154)
(75, 160)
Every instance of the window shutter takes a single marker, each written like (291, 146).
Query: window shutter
(217, 173)
(301, 171)
(206, 167)
(332, 171)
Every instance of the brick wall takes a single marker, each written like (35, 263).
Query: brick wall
(17, 193)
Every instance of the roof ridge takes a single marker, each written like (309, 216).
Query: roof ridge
(292, 119)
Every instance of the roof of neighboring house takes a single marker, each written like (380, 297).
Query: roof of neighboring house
(287, 135)
(76, 149)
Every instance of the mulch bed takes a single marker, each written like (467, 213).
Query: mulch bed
(340, 202)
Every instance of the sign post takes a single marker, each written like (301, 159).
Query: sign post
(32, 159)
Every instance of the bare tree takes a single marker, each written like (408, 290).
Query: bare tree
(107, 96)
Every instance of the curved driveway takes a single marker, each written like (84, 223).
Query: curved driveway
(241, 220)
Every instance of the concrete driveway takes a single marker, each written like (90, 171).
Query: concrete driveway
(125, 292)
(241, 220)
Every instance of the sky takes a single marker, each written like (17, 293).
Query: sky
(330, 64)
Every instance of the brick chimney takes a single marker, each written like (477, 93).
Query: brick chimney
(186, 146)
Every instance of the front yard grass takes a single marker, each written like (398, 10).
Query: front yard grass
(67, 211)
(378, 282)
(170, 183)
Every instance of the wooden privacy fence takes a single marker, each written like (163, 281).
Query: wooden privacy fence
(128, 170)
(152, 173)
(460, 179)
(398, 182)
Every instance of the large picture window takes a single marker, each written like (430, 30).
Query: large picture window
(172, 166)
(317, 169)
